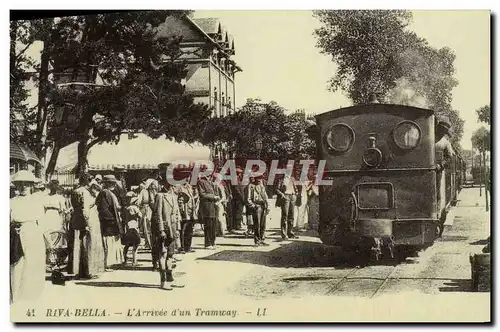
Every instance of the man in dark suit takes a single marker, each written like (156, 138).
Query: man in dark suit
(286, 199)
(120, 190)
(237, 201)
(257, 203)
(208, 198)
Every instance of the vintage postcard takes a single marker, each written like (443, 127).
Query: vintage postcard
(250, 166)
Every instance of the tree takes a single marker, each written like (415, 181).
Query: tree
(427, 81)
(481, 140)
(22, 120)
(484, 114)
(377, 54)
(142, 82)
(283, 134)
(365, 44)
(28, 123)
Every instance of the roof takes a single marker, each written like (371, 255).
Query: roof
(210, 25)
(19, 151)
(383, 108)
(142, 152)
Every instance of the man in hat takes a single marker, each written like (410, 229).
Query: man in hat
(286, 198)
(165, 225)
(162, 171)
(120, 188)
(444, 152)
(238, 201)
(257, 203)
(112, 230)
(208, 198)
(443, 145)
(188, 205)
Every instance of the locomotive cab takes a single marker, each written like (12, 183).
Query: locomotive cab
(380, 160)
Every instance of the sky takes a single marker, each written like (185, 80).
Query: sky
(280, 61)
(277, 52)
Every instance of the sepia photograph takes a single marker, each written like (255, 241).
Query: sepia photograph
(231, 166)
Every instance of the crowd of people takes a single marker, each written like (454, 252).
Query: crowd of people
(105, 222)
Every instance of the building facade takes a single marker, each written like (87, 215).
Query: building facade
(207, 48)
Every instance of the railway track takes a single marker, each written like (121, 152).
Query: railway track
(441, 268)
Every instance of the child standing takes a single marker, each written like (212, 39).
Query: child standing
(132, 216)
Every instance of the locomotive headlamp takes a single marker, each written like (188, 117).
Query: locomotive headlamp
(340, 137)
(406, 135)
(372, 156)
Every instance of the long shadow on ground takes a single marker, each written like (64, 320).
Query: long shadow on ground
(303, 254)
(115, 284)
(297, 254)
(457, 285)
(479, 242)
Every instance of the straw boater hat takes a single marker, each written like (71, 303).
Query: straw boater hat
(110, 178)
(24, 176)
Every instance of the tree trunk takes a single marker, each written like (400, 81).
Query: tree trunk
(41, 118)
(81, 165)
(485, 179)
(480, 176)
(53, 160)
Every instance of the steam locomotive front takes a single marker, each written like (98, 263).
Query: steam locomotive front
(380, 160)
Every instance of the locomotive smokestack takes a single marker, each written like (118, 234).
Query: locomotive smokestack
(373, 99)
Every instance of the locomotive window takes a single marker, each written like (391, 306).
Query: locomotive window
(340, 137)
(407, 135)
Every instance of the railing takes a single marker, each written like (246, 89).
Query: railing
(67, 179)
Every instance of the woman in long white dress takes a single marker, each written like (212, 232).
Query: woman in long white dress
(55, 208)
(27, 270)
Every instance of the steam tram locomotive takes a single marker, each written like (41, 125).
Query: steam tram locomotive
(384, 192)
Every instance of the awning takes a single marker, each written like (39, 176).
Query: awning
(19, 151)
(142, 152)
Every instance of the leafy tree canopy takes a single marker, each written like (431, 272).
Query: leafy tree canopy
(283, 134)
(377, 54)
(481, 139)
(129, 78)
(365, 45)
(484, 114)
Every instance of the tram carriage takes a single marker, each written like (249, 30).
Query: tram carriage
(384, 191)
